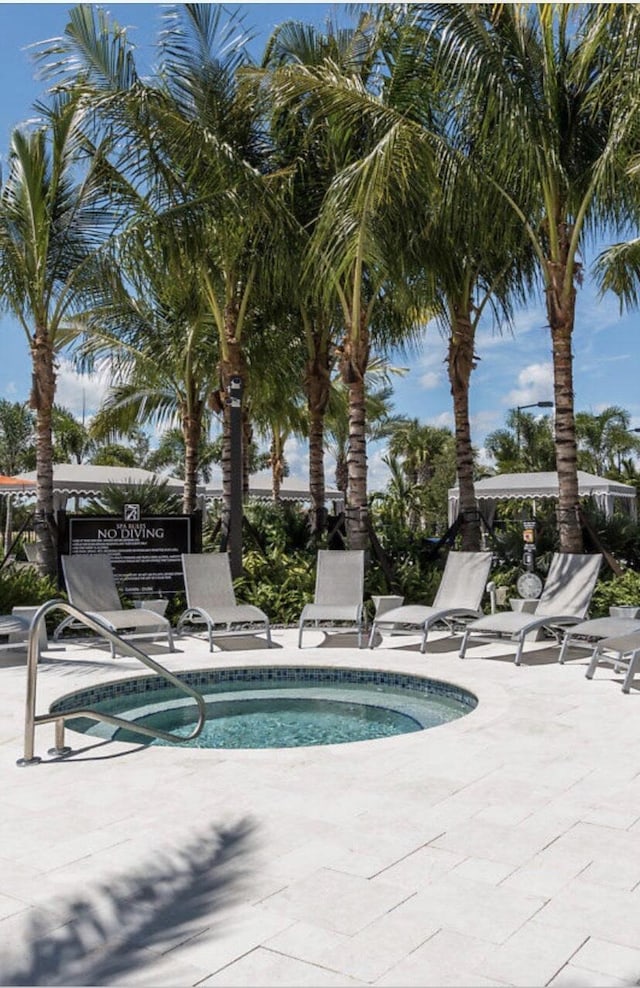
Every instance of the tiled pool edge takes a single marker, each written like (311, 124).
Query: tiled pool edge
(268, 675)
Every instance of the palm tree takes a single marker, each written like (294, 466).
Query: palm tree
(17, 450)
(604, 439)
(153, 328)
(551, 96)
(417, 445)
(53, 217)
(526, 445)
(382, 177)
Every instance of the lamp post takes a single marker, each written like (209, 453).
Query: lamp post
(520, 408)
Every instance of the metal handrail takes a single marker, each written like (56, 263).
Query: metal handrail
(33, 654)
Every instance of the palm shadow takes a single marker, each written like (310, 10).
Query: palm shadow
(111, 930)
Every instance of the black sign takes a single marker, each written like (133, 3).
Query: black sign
(145, 554)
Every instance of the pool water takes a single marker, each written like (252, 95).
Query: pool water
(293, 722)
(270, 709)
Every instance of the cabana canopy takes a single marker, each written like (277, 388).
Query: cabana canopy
(538, 486)
(85, 480)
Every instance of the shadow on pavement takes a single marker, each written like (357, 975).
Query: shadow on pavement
(110, 931)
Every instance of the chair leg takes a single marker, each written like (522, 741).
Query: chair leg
(425, 633)
(267, 629)
(300, 627)
(465, 642)
(172, 646)
(373, 634)
(628, 679)
(563, 648)
(518, 655)
(595, 657)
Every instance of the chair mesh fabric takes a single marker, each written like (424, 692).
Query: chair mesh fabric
(90, 583)
(207, 581)
(463, 581)
(569, 585)
(339, 578)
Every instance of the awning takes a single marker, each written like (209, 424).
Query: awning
(86, 480)
(538, 486)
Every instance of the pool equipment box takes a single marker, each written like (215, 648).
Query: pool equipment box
(145, 553)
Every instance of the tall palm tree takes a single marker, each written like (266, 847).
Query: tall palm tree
(190, 140)
(309, 153)
(153, 329)
(549, 86)
(53, 217)
(383, 176)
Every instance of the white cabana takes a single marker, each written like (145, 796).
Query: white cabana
(74, 480)
(540, 486)
(260, 489)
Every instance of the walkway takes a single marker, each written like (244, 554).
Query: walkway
(501, 849)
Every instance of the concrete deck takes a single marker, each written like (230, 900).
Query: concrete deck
(501, 849)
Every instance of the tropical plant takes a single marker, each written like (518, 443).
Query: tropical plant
(604, 439)
(154, 497)
(383, 179)
(525, 445)
(53, 218)
(554, 133)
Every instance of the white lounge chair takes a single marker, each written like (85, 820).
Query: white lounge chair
(583, 635)
(564, 601)
(91, 587)
(457, 600)
(211, 599)
(622, 652)
(338, 601)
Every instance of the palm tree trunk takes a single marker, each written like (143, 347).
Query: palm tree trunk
(277, 465)
(191, 431)
(561, 314)
(232, 366)
(461, 362)
(43, 391)
(355, 360)
(317, 385)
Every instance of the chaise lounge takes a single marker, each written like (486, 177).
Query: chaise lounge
(564, 601)
(458, 599)
(211, 599)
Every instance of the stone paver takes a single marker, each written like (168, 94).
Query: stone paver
(500, 849)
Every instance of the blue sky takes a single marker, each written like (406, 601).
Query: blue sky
(514, 369)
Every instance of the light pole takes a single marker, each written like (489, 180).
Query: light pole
(520, 408)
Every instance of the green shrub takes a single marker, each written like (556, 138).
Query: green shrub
(619, 591)
(280, 585)
(22, 586)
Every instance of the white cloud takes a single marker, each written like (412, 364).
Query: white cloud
(430, 380)
(377, 471)
(535, 383)
(81, 393)
(442, 421)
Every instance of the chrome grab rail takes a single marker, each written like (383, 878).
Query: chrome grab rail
(33, 654)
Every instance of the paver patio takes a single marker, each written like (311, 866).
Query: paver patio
(500, 849)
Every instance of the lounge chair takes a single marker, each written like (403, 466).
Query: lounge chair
(91, 587)
(583, 635)
(457, 600)
(339, 594)
(211, 599)
(564, 601)
(622, 652)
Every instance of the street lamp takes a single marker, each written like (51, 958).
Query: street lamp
(520, 408)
